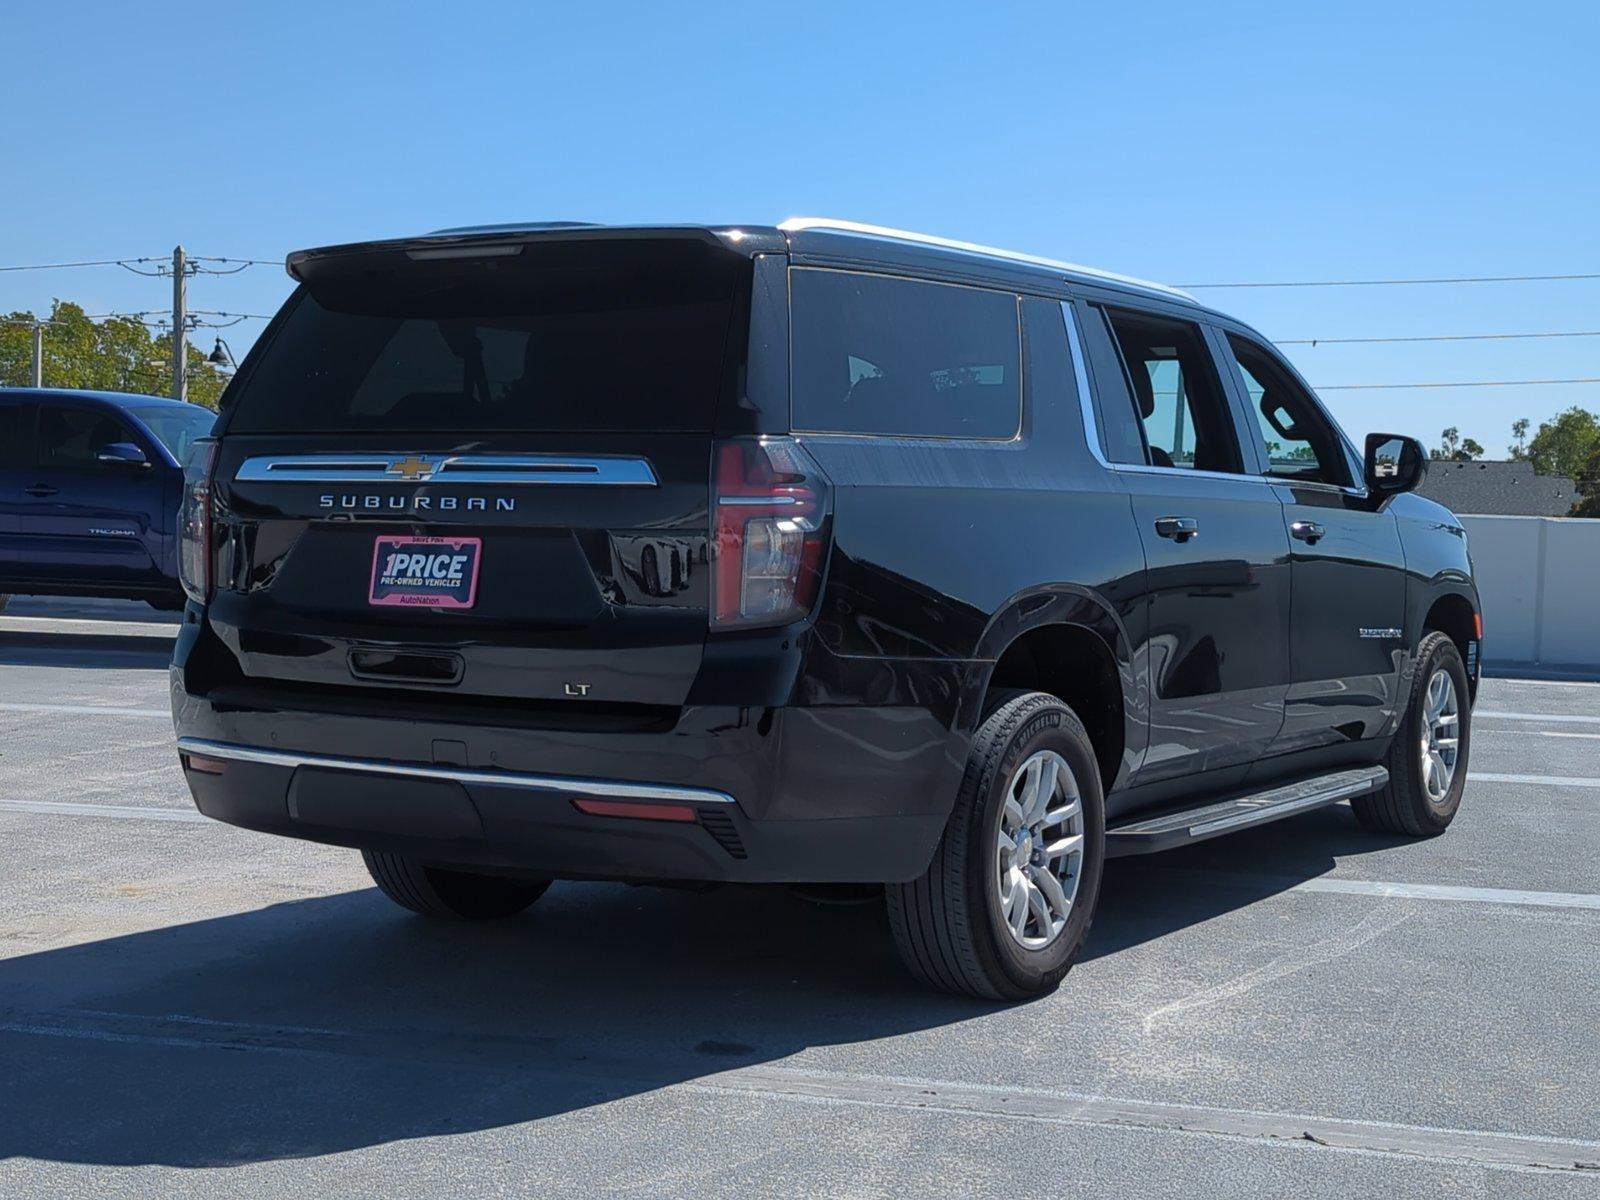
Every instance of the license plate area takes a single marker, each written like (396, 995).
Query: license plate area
(425, 572)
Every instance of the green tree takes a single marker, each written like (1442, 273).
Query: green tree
(119, 354)
(1519, 430)
(1565, 443)
(1453, 446)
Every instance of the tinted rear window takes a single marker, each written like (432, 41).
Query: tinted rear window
(559, 337)
(874, 354)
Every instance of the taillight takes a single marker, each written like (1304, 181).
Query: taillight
(194, 522)
(769, 527)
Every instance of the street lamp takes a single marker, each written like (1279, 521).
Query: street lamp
(222, 356)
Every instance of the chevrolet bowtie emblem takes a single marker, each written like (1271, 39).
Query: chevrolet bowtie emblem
(411, 468)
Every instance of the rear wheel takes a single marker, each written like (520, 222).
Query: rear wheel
(1427, 761)
(442, 892)
(1006, 903)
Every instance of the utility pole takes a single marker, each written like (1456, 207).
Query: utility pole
(180, 323)
(38, 354)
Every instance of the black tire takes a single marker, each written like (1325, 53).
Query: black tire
(1404, 806)
(947, 924)
(454, 895)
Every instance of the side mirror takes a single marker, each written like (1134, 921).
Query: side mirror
(121, 454)
(1394, 463)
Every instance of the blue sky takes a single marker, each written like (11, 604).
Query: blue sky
(1185, 142)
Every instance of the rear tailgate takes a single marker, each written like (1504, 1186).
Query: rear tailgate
(484, 473)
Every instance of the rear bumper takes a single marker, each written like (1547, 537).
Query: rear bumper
(824, 794)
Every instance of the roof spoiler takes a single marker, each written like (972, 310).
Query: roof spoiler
(489, 241)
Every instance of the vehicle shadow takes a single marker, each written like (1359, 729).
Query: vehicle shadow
(27, 648)
(338, 1022)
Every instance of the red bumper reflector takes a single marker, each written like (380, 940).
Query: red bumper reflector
(1477, 625)
(206, 766)
(639, 810)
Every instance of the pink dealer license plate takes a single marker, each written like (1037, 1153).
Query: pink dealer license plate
(428, 572)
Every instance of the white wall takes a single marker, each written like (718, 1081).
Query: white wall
(1539, 579)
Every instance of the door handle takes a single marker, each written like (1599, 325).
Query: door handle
(1306, 531)
(1179, 529)
(41, 489)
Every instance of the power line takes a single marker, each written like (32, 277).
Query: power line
(131, 263)
(1299, 283)
(1349, 387)
(99, 262)
(1436, 337)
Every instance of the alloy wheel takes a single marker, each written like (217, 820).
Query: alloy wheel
(1039, 850)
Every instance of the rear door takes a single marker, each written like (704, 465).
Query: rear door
(1346, 640)
(481, 471)
(1216, 651)
(87, 522)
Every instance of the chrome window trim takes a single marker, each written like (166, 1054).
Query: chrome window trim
(1091, 426)
(567, 785)
(513, 469)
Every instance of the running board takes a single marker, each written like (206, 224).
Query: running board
(1168, 830)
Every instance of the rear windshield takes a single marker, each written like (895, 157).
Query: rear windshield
(178, 428)
(876, 354)
(572, 336)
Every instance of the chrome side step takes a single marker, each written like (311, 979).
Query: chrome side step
(1184, 827)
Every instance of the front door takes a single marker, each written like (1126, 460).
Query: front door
(1349, 571)
(87, 523)
(1215, 654)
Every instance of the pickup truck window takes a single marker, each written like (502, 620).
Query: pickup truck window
(69, 438)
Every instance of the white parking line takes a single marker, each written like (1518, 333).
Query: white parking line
(82, 710)
(1484, 714)
(124, 812)
(1575, 781)
(1435, 891)
(1557, 733)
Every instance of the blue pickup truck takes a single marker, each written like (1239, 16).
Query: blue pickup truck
(89, 489)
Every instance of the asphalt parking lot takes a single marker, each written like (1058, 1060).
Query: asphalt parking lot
(191, 1010)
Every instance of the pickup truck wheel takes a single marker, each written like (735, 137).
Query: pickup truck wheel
(1427, 760)
(440, 892)
(1003, 909)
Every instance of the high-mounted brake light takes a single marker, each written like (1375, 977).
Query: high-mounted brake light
(769, 529)
(194, 522)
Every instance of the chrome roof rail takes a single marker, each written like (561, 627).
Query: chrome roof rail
(800, 224)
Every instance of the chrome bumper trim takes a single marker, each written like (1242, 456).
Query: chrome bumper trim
(566, 784)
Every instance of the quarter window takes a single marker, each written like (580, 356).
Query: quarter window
(880, 355)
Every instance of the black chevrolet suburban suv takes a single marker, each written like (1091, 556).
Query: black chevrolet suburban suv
(817, 553)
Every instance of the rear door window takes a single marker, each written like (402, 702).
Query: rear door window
(566, 337)
(876, 354)
(1176, 393)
